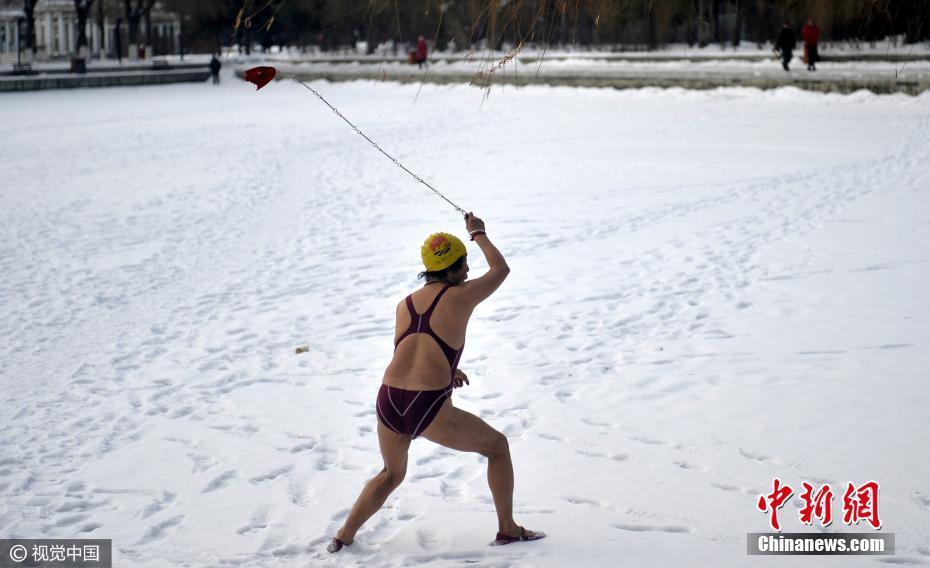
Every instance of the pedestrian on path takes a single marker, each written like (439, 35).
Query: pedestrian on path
(810, 33)
(215, 69)
(422, 50)
(785, 44)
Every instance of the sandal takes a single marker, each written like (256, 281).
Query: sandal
(335, 545)
(525, 535)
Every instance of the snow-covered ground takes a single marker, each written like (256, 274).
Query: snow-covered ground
(768, 73)
(709, 289)
(594, 65)
(705, 68)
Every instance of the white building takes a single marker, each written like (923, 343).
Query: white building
(56, 31)
(8, 33)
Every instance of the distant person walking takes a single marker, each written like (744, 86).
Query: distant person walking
(785, 44)
(422, 50)
(215, 66)
(810, 33)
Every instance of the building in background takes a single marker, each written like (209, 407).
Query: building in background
(9, 32)
(56, 31)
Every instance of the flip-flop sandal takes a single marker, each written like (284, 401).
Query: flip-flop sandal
(502, 539)
(335, 545)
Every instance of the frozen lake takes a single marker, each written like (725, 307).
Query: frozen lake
(709, 289)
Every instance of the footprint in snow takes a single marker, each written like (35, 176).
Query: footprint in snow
(161, 530)
(648, 528)
(220, 481)
(591, 454)
(257, 523)
(582, 501)
(552, 437)
(429, 539)
(564, 395)
(271, 475)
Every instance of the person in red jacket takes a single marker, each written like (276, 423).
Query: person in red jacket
(811, 35)
(421, 51)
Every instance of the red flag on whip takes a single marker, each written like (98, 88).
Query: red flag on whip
(261, 76)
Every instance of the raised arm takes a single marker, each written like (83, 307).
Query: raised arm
(476, 290)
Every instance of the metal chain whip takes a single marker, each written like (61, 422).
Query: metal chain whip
(378, 148)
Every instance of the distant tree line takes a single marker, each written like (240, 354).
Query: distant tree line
(210, 25)
(505, 23)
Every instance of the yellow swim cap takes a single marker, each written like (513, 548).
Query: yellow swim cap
(441, 250)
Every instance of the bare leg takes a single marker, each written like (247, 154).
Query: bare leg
(500, 480)
(375, 493)
(454, 428)
(371, 500)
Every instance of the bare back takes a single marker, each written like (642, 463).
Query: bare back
(419, 362)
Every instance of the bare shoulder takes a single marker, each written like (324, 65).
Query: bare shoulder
(473, 292)
(455, 296)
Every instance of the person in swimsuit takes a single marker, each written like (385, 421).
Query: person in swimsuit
(415, 398)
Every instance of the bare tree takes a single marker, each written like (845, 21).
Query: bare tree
(737, 24)
(101, 30)
(29, 7)
(546, 22)
(135, 10)
(82, 7)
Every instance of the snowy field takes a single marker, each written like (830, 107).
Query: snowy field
(709, 289)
